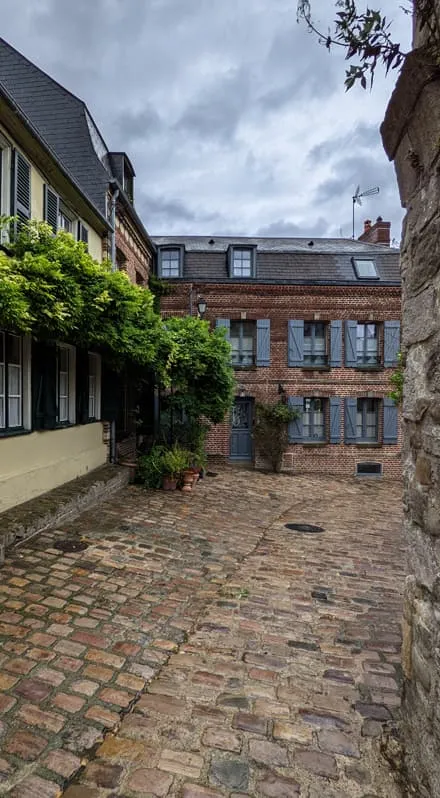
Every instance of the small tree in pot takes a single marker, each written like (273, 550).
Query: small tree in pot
(271, 432)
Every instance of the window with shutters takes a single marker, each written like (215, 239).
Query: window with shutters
(83, 234)
(94, 387)
(314, 419)
(367, 344)
(367, 420)
(65, 384)
(5, 184)
(170, 262)
(66, 219)
(243, 343)
(315, 343)
(51, 206)
(11, 382)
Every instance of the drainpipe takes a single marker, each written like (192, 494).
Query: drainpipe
(191, 300)
(114, 200)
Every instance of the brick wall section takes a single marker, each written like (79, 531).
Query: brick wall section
(280, 304)
(138, 257)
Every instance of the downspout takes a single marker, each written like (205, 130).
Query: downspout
(114, 200)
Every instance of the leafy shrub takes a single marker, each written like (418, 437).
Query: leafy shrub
(272, 431)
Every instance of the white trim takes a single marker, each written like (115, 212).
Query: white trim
(97, 415)
(71, 386)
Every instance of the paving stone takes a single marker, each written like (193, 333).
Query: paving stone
(26, 745)
(151, 781)
(371, 728)
(7, 681)
(63, 763)
(81, 791)
(162, 705)
(273, 785)
(181, 762)
(250, 723)
(358, 773)
(234, 701)
(69, 703)
(103, 774)
(34, 716)
(268, 753)
(128, 750)
(36, 787)
(6, 703)
(118, 697)
(215, 737)
(294, 732)
(230, 773)
(197, 791)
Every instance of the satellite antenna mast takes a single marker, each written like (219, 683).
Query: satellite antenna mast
(357, 198)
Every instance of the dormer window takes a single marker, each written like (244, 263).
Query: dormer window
(242, 262)
(170, 262)
(365, 269)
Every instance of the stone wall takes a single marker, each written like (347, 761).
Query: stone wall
(411, 135)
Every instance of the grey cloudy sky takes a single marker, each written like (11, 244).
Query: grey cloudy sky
(235, 118)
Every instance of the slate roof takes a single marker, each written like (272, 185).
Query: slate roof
(65, 125)
(286, 260)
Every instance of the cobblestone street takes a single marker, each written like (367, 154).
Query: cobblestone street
(198, 648)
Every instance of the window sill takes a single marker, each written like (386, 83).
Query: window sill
(14, 433)
(64, 425)
(314, 443)
(315, 368)
(368, 444)
(246, 368)
(360, 367)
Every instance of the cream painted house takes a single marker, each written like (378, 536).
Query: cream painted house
(55, 166)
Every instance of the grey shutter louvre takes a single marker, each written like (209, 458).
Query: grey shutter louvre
(296, 426)
(226, 324)
(350, 420)
(231, 261)
(21, 189)
(263, 342)
(295, 343)
(350, 343)
(391, 342)
(51, 206)
(390, 421)
(335, 419)
(336, 344)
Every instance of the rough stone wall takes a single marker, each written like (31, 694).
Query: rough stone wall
(411, 134)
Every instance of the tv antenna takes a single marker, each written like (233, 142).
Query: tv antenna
(358, 194)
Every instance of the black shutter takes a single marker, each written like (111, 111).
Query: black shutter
(51, 207)
(44, 386)
(83, 234)
(82, 386)
(110, 393)
(21, 189)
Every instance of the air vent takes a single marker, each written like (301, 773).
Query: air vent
(368, 469)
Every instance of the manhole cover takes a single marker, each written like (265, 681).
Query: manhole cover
(307, 529)
(70, 545)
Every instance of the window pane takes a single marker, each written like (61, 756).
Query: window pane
(14, 380)
(365, 268)
(63, 359)
(64, 409)
(14, 410)
(14, 349)
(307, 329)
(242, 262)
(170, 261)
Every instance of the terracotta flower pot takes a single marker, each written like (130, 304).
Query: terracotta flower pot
(188, 479)
(169, 483)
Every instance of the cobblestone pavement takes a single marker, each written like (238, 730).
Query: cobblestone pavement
(197, 648)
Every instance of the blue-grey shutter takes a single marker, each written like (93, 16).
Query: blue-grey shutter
(391, 343)
(21, 189)
(226, 324)
(296, 426)
(350, 343)
(231, 261)
(335, 419)
(263, 342)
(336, 344)
(390, 421)
(350, 420)
(295, 343)
(51, 206)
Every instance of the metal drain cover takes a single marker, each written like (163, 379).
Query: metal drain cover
(306, 529)
(70, 545)
(211, 473)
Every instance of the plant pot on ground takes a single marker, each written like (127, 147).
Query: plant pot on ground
(169, 483)
(174, 463)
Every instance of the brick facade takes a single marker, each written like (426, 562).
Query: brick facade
(281, 303)
(133, 256)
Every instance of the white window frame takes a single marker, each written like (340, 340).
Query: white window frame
(5, 187)
(237, 267)
(168, 251)
(71, 415)
(69, 215)
(97, 399)
(25, 386)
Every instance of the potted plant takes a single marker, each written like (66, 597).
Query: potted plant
(174, 463)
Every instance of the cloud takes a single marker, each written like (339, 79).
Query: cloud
(235, 118)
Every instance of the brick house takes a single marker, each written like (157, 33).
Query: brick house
(315, 322)
(63, 412)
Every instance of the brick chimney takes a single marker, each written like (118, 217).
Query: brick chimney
(377, 233)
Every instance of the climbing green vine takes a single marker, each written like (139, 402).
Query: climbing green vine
(51, 288)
